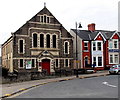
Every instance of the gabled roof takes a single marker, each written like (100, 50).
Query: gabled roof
(89, 35)
(100, 33)
(85, 34)
(34, 19)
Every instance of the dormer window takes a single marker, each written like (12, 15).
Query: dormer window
(44, 19)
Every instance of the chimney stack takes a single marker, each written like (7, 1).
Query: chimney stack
(91, 27)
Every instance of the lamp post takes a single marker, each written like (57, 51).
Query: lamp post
(77, 48)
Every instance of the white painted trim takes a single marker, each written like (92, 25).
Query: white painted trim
(113, 54)
(97, 61)
(23, 46)
(58, 63)
(56, 40)
(21, 35)
(68, 47)
(43, 40)
(44, 19)
(65, 63)
(34, 63)
(44, 29)
(46, 39)
(43, 23)
(32, 39)
(97, 46)
(87, 45)
(16, 58)
(19, 64)
(112, 41)
(114, 34)
(101, 35)
(66, 38)
(45, 14)
(44, 48)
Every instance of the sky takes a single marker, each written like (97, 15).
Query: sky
(14, 13)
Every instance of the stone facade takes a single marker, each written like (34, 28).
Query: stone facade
(42, 43)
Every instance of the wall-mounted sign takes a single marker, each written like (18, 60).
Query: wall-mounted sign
(114, 50)
(97, 53)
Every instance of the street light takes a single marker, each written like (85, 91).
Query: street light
(76, 49)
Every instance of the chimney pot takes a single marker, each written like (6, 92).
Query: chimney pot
(91, 27)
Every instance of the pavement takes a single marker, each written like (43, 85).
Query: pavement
(14, 88)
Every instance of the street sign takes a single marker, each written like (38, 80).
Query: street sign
(77, 61)
(114, 50)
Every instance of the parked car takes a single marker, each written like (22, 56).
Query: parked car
(115, 69)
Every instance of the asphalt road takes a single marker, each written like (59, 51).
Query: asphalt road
(95, 87)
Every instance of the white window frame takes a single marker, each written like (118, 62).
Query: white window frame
(34, 63)
(100, 46)
(85, 46)
(43, 40)
(58, 63)
(56, 40)
(19, 46)
(37, 40)
(96, 46)
(68, 47)
(117, 58)
(44, 19)
(117, 43)
(68, 63)
(23, 64)
(112, 42)
(113, 55)
(97, 61)
(46, 40)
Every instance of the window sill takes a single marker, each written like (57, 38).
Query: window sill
(21, 53)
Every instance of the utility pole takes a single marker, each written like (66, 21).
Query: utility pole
(77, 48)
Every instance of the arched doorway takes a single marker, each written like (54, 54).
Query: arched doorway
(46, 65)
(86, 61)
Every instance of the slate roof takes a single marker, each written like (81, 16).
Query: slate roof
(89, 35)
(85, 34)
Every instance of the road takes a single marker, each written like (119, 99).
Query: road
(95, 87)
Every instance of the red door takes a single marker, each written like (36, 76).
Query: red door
(46, 65)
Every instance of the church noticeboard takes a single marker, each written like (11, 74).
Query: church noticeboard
(28, 64)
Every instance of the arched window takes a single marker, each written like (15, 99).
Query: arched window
(48, 40)
(21, 46)
(41, 40)
(34, 40)
(66, 47)
(54, 41)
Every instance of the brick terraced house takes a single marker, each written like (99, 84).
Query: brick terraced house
(97, 48)
(42, 43)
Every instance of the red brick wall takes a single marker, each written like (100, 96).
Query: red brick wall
(115, 36)
(88, 54)
(99, 37)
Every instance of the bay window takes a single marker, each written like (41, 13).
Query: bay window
(113, 58)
